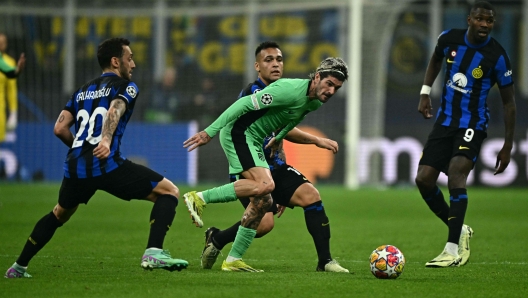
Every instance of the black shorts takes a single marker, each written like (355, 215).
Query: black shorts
(129, 181)
(445, 142)
(287, 179)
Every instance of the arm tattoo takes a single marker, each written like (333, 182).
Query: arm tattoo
(61, 118)
(255, 211)
(112, 118)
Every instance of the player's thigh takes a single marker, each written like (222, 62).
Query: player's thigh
(74, 191)
(131, 181)
(438, 151)
(467, 142)
(242, 152)
(288, 181)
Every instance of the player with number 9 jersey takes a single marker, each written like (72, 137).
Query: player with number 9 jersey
(89, 106)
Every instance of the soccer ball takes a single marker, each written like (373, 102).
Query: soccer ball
(387, 261)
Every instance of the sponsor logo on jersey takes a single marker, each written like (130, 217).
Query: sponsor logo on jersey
(450, 61)
(458, 83)
(453, 54)
(477, 73)
(255, 102)
(131, 90)
(266, 98)
(86, 95)
(508, 73)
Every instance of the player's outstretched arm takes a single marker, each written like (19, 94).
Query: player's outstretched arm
(62, 128)
(110, 122)
(510, 111)
(196, 141)
(301, 137)
(433, 68)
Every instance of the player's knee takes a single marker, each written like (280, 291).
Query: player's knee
(265, 188)
(267, 201)
(169, 188)
(62, 214)
(423, 183)
(266, 225)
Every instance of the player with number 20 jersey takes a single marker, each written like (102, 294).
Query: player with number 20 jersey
(89, 106)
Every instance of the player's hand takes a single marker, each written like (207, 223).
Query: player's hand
(327, 144)
(102, 151)
(196, 141)
(503, 160)
(21, 63)
(425, 107)
(281, 210)
(271, 145)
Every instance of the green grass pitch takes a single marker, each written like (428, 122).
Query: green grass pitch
(97, 253)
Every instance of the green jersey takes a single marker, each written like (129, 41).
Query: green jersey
(282, 105)
(6, 69)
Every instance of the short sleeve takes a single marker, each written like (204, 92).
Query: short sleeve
(441, 44)
(128, 92)
(503, 71)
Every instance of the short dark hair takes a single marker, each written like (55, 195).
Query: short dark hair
(110, 48)
(482, 4)
(266, 45)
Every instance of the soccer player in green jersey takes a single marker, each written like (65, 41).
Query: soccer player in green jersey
(243, 128)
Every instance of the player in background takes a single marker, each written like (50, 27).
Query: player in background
(243, 128)
(291, 187)
(8, 88)
(474, 63)
(100, 111)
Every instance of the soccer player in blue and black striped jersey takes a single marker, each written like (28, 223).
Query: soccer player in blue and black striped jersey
(475, 62)
(100, 111)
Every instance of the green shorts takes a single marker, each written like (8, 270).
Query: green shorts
(243, 152)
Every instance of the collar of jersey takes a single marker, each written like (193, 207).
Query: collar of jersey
(477, 46)
(261, 84)
(108, 74)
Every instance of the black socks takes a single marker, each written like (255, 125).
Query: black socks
(161, 219)
(319, 227)
(42, 233)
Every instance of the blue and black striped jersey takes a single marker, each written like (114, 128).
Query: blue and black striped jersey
(274, 161)
(89, 106)
(471, 71)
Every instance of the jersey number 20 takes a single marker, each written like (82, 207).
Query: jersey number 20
(90, 120)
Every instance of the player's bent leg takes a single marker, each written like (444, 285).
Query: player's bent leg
(318, 225)
(42, 233)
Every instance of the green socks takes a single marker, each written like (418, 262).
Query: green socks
(242, 242)
(222, 194)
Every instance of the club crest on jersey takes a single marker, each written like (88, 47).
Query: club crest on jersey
(131, 91)
(477, 73)
(266, 99)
